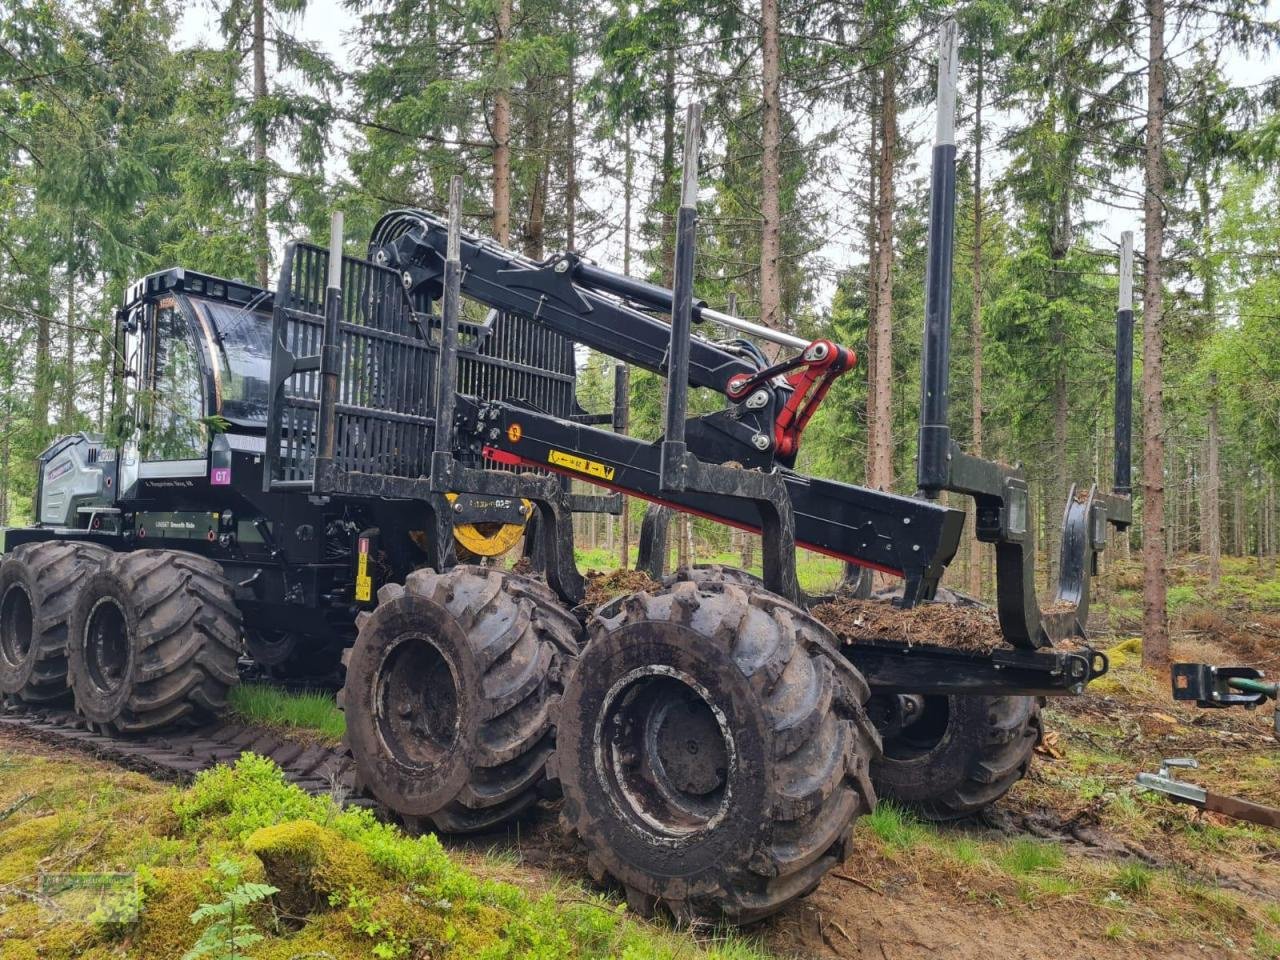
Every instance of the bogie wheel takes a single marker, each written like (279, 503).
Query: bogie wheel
(38, 585)
(154, 640)
(713, 751)
(955, 755)
(448, 694)
(708, 573)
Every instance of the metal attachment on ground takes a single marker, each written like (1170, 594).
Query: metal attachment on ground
(1197, 796)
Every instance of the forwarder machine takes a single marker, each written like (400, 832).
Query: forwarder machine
(191, 565)
(713, 742)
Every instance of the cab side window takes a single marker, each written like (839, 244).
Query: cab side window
(172, 404)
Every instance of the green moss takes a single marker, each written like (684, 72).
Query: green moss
(310, 865)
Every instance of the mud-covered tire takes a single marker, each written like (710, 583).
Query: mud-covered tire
(154, 642)
(38, 587)
(962, 755)
(448, 694)
(712, 573)
(749, 796)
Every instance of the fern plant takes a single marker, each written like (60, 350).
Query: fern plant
(229, 931)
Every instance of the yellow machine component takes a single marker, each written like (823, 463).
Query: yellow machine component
(488, 539)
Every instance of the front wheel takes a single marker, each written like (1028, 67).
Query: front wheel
(949, 757)
(38, 587)
(712, 748)
(448, 693)
(154, 642)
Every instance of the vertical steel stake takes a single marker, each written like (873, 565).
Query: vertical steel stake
(673, 447)
(933, 467)
(330, 354)
(1124, 370)
(447, 380)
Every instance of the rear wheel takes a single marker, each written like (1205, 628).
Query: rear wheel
(155, 636)
(953, 756)
(38, 586)
(448, 694)
(713, 751)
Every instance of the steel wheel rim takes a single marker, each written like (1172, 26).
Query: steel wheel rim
(417, 698)
(665, 754)
(923, 735)
(17, 625)
(107, 650)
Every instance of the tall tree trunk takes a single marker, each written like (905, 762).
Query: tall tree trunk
(1155, 617)
(1061, 237)
(534, 231)
(873, 265)
(975, 320)
(502, 128)
(69, 358)
(261, 241)
(6, 434)
(44, 372)
(882, 376)
(770, 169)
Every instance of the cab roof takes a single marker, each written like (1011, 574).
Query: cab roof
(180, 279)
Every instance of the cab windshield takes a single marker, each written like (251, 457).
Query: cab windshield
(238, 338)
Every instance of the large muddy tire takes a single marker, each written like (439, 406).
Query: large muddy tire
(962, 755)
(155, 636)
(713, 751)
(38, 586)
(448, 694)
(710, 573)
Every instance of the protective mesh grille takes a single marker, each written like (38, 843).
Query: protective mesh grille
(387, 376)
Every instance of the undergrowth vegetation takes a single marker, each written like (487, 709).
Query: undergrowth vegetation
(243, 864)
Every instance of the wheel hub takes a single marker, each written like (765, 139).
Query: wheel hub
(665, 752)
(107, 645)
(16, 625)
(418, 718)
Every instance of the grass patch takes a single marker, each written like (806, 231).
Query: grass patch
(895, 827)
(1134, 880)
(312, 712)
(1027, 857)
(1266, 944)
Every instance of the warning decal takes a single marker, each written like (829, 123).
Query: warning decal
(578, 464)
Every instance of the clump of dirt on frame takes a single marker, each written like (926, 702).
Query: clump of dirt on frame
(603, 587)
(940, 624)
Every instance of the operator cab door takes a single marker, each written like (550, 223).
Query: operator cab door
(167, 397)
